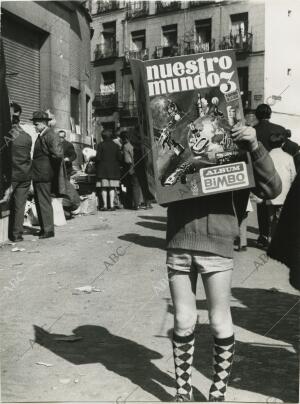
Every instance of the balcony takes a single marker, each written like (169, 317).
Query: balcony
(197, 47)
(142, 54)
(204, 3)
(106, 101)
(129, 109)
(166, 6)
(103, 51)
(240, 43)
(104, 6)
(136, 10)
(167, 51)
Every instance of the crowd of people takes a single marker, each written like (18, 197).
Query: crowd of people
(120, 172)
(44, 170)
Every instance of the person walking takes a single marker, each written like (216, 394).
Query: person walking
(47, 158)
(69, 152)
(264, 128)
(285, 166)
(21, 173)
(108, 173)
(200, 237)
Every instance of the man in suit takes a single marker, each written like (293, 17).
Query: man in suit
(47, 157)
(264, 130)
(69, 152)
(21, 173)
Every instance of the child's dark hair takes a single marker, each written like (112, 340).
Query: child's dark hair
(263, 111)
(277, 140)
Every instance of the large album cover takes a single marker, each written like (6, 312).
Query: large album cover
(187, 106)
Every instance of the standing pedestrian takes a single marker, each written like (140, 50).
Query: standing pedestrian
(285, 166)
(47, 158)
(108, 173)
(140, 169)
(200, 237)
(130, 177)
(21, 173)
(69, 152)
(264, 128)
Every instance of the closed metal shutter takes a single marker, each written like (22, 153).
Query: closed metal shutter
(22, 56)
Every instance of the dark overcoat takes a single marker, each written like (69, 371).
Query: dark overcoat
(108, 160)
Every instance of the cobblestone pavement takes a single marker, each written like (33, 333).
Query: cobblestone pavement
(118, 347)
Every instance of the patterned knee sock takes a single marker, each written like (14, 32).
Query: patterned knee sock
(183, 350)
(223, 358)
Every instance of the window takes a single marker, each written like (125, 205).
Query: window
(109, 35)
(169, 35)
(239, 25)
(138, 40)
(108, 83)
(75, 105)
(203, 31)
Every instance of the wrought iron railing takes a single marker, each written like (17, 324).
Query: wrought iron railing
(198, 47)
(106, 100)
(138, 10)
(129, 109)
(165, 6)
(240, 42)
(166, 51)
(202, 3)
(105, 6)
(142, 54)
(105, 51)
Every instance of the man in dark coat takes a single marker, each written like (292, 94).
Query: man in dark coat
(264, 130)
(69, 152)
(47, 158)
(21, 173)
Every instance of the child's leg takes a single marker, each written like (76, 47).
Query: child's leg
(104, 197)
(111, 197)
(218, 293)
(183, 289)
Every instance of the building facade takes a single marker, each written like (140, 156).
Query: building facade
(152, 30)
(47, 54)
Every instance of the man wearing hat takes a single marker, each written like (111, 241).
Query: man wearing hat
(47, 157)
(21, 172)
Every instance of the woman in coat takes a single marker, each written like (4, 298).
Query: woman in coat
(108, 161)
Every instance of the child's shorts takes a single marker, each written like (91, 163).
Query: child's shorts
(203, 262)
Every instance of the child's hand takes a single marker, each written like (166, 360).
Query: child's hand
(245, 137)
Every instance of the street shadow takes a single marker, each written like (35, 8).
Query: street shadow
(272, 368)
(153, 225)
(117, 354)
(157, 218)
(144, 241)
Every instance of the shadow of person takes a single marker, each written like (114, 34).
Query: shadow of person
(117, 354)
(268, 312)
(144, 241)
(157, 218)
(153, 225)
